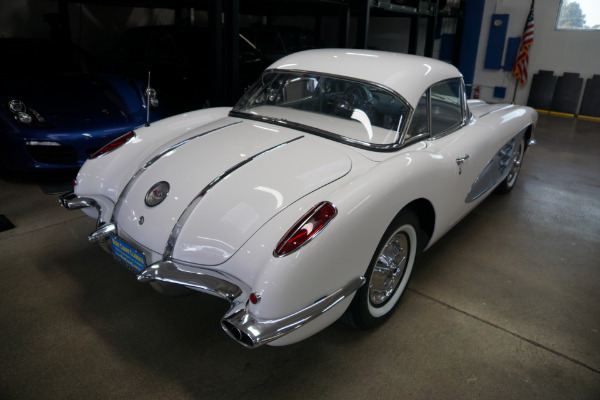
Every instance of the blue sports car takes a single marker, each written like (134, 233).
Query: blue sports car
(58, 105)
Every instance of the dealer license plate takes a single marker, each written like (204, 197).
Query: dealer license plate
(127, 254)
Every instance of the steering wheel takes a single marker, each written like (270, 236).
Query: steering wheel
(354, 97)
(357, 96)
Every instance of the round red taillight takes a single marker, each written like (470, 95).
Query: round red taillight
(115, 144)
(254, 298)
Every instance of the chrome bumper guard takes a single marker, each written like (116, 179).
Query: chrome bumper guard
(239, 323)
(203, 280)
(71, 201)
(102, 234)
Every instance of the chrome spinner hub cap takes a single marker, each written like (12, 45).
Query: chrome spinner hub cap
(516, 166)
(389, 269)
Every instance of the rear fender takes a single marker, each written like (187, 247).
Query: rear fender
(343, 250)
(108, 174)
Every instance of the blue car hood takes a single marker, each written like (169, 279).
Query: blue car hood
(76, 97)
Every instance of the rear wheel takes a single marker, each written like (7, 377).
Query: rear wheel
(388, 273)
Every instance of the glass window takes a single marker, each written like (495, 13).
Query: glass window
(333, 106)
(578, 15)
(446, 106)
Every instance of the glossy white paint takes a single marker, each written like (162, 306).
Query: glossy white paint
(236, 225)
(235, 209)
(112, 171)
(194, 165)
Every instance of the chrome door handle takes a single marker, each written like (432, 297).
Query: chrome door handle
(460, 161)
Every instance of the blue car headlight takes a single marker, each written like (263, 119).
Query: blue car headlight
(25, 115)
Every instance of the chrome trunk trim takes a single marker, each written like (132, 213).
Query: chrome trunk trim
(168, 252)
(147, 165)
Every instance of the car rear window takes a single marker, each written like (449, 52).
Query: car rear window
(344, 108)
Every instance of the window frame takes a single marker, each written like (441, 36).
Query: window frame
(379, 147)
(558, 13)
(429, 135)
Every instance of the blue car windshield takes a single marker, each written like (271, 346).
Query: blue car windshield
(33, 57)
(347, 109)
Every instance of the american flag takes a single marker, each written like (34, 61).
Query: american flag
(520, 67)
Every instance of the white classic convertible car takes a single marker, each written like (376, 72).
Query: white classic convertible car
(312, 197)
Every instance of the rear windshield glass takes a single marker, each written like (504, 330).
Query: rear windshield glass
(343, 108)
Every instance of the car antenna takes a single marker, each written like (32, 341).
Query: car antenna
(148, 101)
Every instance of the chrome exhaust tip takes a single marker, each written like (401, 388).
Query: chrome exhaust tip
(238, 335)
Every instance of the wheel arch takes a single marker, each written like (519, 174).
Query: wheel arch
(425, 213)
(528, 135)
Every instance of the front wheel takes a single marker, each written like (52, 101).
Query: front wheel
(517, 161)
(388, 273)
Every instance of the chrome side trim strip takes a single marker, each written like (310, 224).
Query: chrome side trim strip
(168, 253)
(496, 169)
(496, 110)
(252, 331)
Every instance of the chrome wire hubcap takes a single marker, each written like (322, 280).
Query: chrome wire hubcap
(516, 166)
(389, 269)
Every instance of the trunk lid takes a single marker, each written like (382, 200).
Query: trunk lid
(224, 186)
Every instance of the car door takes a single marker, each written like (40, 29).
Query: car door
(460, 148)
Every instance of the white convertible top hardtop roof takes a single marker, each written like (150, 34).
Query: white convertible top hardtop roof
(406, 74)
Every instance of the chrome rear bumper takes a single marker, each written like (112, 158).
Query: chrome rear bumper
(252, 331)
(239, 323)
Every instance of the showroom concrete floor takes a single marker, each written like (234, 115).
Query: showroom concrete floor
(506, 306)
